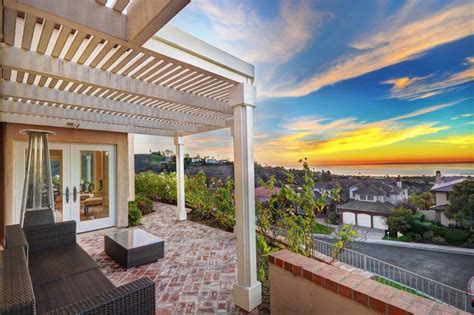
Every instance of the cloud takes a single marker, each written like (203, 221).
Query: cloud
(458, 140)
(391, 46)
(243, 31)
(419, 88)
(320, 135)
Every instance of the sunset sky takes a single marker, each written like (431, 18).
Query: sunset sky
(345, 82)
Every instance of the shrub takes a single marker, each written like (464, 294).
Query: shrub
(470, 242)
(400, 219)
(144, 203)
(134, 214)
(439, 240)
(159, 187)
(332, 218)
(225, 209)
(416, 237)
(428, 235)
(199, 196)
(452, 236)
(420, 227)
(406, 238)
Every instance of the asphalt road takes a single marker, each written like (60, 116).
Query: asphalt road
(454, 270)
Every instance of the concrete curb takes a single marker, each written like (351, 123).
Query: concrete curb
(430, 247)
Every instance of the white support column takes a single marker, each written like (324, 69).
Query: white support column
(131, 167)
(181, 210)
(247, 291)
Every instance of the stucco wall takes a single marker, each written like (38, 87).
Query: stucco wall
(441, 198)
(67, 135)
(290, 294)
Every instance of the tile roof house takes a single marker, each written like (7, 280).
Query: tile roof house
(368, 202)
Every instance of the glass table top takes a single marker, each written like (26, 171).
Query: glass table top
(132, 238)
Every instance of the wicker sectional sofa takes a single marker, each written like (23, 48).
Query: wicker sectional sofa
(44, 271)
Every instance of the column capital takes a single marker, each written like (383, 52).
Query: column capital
(178, 140)
(243, 94)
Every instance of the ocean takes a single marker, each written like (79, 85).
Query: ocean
(447, 169)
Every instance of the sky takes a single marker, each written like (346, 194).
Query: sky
(345, 82)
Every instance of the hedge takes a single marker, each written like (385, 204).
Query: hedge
(452, 236)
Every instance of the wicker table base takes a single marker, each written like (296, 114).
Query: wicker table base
(134, 247)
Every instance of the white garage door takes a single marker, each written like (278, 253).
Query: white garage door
(364, 220)
(379, 223)
(348, 218)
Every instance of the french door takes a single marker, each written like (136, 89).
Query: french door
(83, 183)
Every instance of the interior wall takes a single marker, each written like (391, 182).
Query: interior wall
(11, 133)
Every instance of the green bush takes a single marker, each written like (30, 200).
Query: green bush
(406, 238)
(144, 203)
(452, 236)
(199, 195)
(420, 227)
(416, 237)
(224, 206)
(428, 235)
(439, 240)
(159, 187)
(332, 218)
(470, 242)
(134, 214)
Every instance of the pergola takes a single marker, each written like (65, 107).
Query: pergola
(83, 64)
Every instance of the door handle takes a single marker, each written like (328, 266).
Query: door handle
(74, 194)
(67, 194)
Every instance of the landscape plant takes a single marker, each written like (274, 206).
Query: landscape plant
(461, 203)
(134, 214)
(346, 237)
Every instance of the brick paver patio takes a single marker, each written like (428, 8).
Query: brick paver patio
(197, 273)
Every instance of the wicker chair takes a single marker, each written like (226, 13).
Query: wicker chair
(44, 271)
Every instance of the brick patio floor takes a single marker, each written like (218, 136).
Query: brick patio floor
(197, 273)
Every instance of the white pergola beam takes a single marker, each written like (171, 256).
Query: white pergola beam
(81, 115)
(44, 94)
(146, 17)
(28, 61)
(247, 290)
(71, 123)
(80, 15)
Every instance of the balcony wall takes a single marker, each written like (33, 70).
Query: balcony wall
(300, 285)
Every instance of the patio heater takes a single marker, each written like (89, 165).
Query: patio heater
(37, 205)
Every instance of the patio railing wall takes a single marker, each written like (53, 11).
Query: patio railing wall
(395, 276)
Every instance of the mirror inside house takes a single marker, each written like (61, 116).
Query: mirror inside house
(94, 188)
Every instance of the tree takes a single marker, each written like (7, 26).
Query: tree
(400, 220)
(461, 207)
(423, 200)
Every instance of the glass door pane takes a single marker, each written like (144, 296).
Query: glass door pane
(93, 182)
(94, 188)
(56, 157)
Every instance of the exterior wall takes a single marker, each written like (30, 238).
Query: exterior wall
(296, 295)
(445, 221)
(441, 198)
(430, 215)
(68, 135)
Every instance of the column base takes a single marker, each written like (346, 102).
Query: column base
(248, 298)
(181, 216)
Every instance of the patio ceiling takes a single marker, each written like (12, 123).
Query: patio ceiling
(66, 71)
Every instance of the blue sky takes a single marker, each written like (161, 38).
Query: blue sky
(347, 82)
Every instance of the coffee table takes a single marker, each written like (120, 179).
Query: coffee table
(134, 247)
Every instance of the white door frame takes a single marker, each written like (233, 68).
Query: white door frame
(71, 173)
(19, 163)
(89, 225)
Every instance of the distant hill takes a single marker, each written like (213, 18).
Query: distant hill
(157, 163)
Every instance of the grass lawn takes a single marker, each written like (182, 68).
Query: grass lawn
(397, 285)
(322, 229)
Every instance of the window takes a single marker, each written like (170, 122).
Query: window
(363, 197)
(370, 197)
